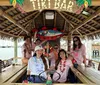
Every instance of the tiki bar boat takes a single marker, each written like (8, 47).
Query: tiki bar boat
(61, 19)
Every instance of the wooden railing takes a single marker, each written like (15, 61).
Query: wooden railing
(93, 63)
(6, 63)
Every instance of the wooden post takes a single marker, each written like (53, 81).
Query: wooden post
(69, 42)
(69, 38)
(15, 49)
(47, 46)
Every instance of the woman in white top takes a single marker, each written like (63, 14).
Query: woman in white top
(62, 66)
(37, 64)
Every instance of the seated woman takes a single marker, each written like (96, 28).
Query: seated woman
(37, 64)
(62, 66)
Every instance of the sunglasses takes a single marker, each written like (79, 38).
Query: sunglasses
(55, 48)
(75, 40)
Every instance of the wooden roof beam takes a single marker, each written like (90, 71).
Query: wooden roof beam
(79, 33)
(91, 20)
(28, 16)
(92, 33)
(13, 17)
(55, 17)
(64, 26)
(13, 24)
(25, 27)
(71, 16)
(12, 30)
(8, 27)
(36, 17)
(78, 20)
(18, 21)
(87, 20)
(81, 27)
(17, 28)
(17, 31)
(12, 8)
(20, 33)
(91, 27)
(12, 20)
(8, 34)
(65, 19)
(6, 2)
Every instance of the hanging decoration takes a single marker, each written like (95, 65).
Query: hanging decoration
(18, 4)
(49, 80)
(86, 3)
(82, 4)
(48, 34)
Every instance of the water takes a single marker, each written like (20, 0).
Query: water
(7, 53)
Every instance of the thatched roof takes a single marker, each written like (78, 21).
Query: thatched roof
(15, 24)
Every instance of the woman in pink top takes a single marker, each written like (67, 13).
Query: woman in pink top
(78, 51)
(62, 67)
(27, 49)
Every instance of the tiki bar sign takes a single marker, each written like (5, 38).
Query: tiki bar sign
(53, 4)
(75, 6)
(66, 5)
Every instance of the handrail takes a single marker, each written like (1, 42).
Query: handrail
(94, 60)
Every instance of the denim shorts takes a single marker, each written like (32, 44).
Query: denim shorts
(36, 79)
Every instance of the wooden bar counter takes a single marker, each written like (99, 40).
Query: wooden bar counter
(90, 73)
(11, 73)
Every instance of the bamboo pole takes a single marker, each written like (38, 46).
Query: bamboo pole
(69, 42)
(69, 38)
(15, 49)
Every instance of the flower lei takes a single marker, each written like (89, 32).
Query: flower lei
(18, 4)
(62, 64)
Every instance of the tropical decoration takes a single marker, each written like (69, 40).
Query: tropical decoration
(14, 2)
(82, 4)
(49, 80)
(48, 34)
(18, 4)
(86, 3)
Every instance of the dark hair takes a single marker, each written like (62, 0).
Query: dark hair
(59, 58)
(26, 37)
(79, 44)
(44, 61)
(38, 39)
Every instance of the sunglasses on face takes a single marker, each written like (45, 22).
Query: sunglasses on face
(55, 48)
(75, 40)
